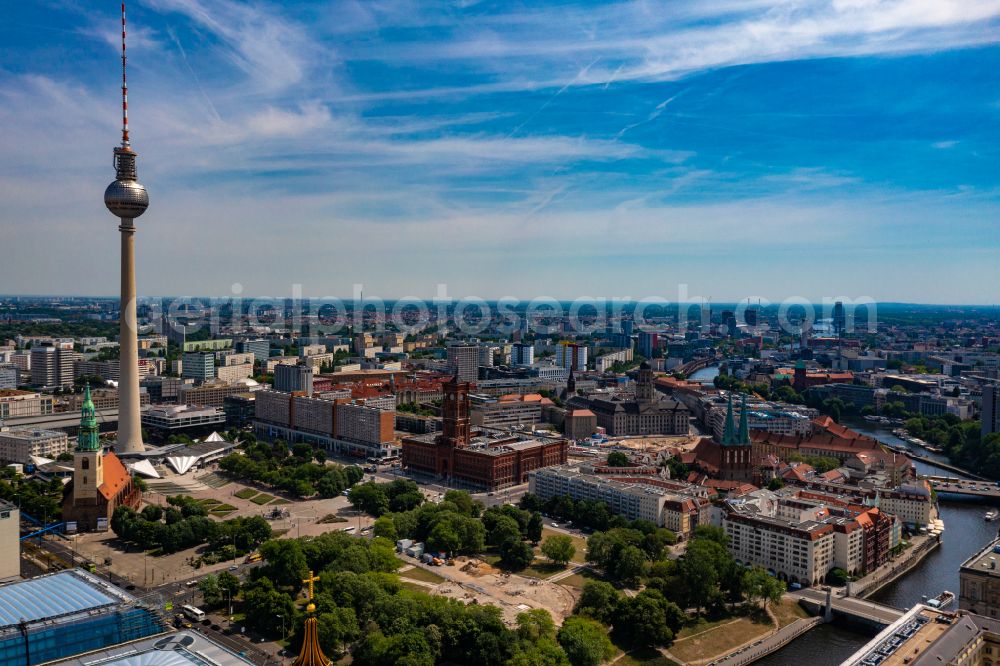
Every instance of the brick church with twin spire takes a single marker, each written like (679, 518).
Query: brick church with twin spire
(100, 482)
(731, 457)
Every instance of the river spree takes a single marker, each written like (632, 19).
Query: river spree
(965, 533)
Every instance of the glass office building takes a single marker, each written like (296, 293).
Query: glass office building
(67, 613)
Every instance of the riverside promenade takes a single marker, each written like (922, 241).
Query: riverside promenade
(890, 571)
(746, 654)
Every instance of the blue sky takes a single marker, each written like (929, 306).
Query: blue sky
(742, 148)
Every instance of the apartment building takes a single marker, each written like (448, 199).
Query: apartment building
(19, 444)
(52, 366)
(14, 403)
(199, 366)
(210, 394)
(331, 420)
(234, 373)
(293, 378)
(796, 552)
(674, 505)
(508, 411)
(463, 360)
(10, 377)
(604, 362)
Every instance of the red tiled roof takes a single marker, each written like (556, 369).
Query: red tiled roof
(116, 476)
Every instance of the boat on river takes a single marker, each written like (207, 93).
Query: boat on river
(942, 600)
(990, 515)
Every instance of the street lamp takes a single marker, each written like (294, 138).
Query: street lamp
(282, 617)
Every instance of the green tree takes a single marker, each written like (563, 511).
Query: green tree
(369, 497)
(504, 529)
(631, 566)
(585, 641)
(464, 503)
(385, 527)
(757, 585)
(336, 628)
(531, 502)
(444, 538)
(598, 600)
(516, 554)
(285, 562)
(618, 459)
(643, 620)
(559, 548)
(211, 592)
(535, 624)
(534, 530)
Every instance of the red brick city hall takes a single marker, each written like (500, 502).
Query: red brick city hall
(487, 459)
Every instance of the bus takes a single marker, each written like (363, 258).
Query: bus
(195, 614)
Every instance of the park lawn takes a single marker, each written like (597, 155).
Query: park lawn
(280, 500)
(580, 556)
(221, 513)
(704, 641)
(579, 579)
(419, 573)
(208, 502)
(262, 499)
(491, 558)
(646, 657)
(414, 587)
(788, 611)
(246, 493)
(542, 568)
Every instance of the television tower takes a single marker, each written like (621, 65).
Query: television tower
(127, 200)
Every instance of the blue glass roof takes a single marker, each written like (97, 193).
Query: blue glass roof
(58, 594)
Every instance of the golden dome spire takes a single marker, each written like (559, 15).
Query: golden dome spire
(311, 654)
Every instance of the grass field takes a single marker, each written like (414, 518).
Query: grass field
(578, 579)
(246, 493)
(418, 573)
(414, 587)
(542, 568)
(705, 640)
(208, 502)
(788, 611)
(280, 500)
(262, 499)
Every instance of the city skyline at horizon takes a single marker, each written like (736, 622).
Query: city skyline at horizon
(723, 146)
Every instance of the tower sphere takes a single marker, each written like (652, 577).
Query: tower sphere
(126, 198)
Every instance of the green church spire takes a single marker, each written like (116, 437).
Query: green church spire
(744, 424)
(88, 438)
(729, 434)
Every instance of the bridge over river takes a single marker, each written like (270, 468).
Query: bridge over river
(830, 605)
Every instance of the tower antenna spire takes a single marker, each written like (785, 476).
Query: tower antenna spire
(125, 143)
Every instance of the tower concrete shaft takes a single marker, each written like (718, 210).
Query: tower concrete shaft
(129, 424)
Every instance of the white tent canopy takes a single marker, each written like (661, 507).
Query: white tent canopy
(143, 467)
(182, 464)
